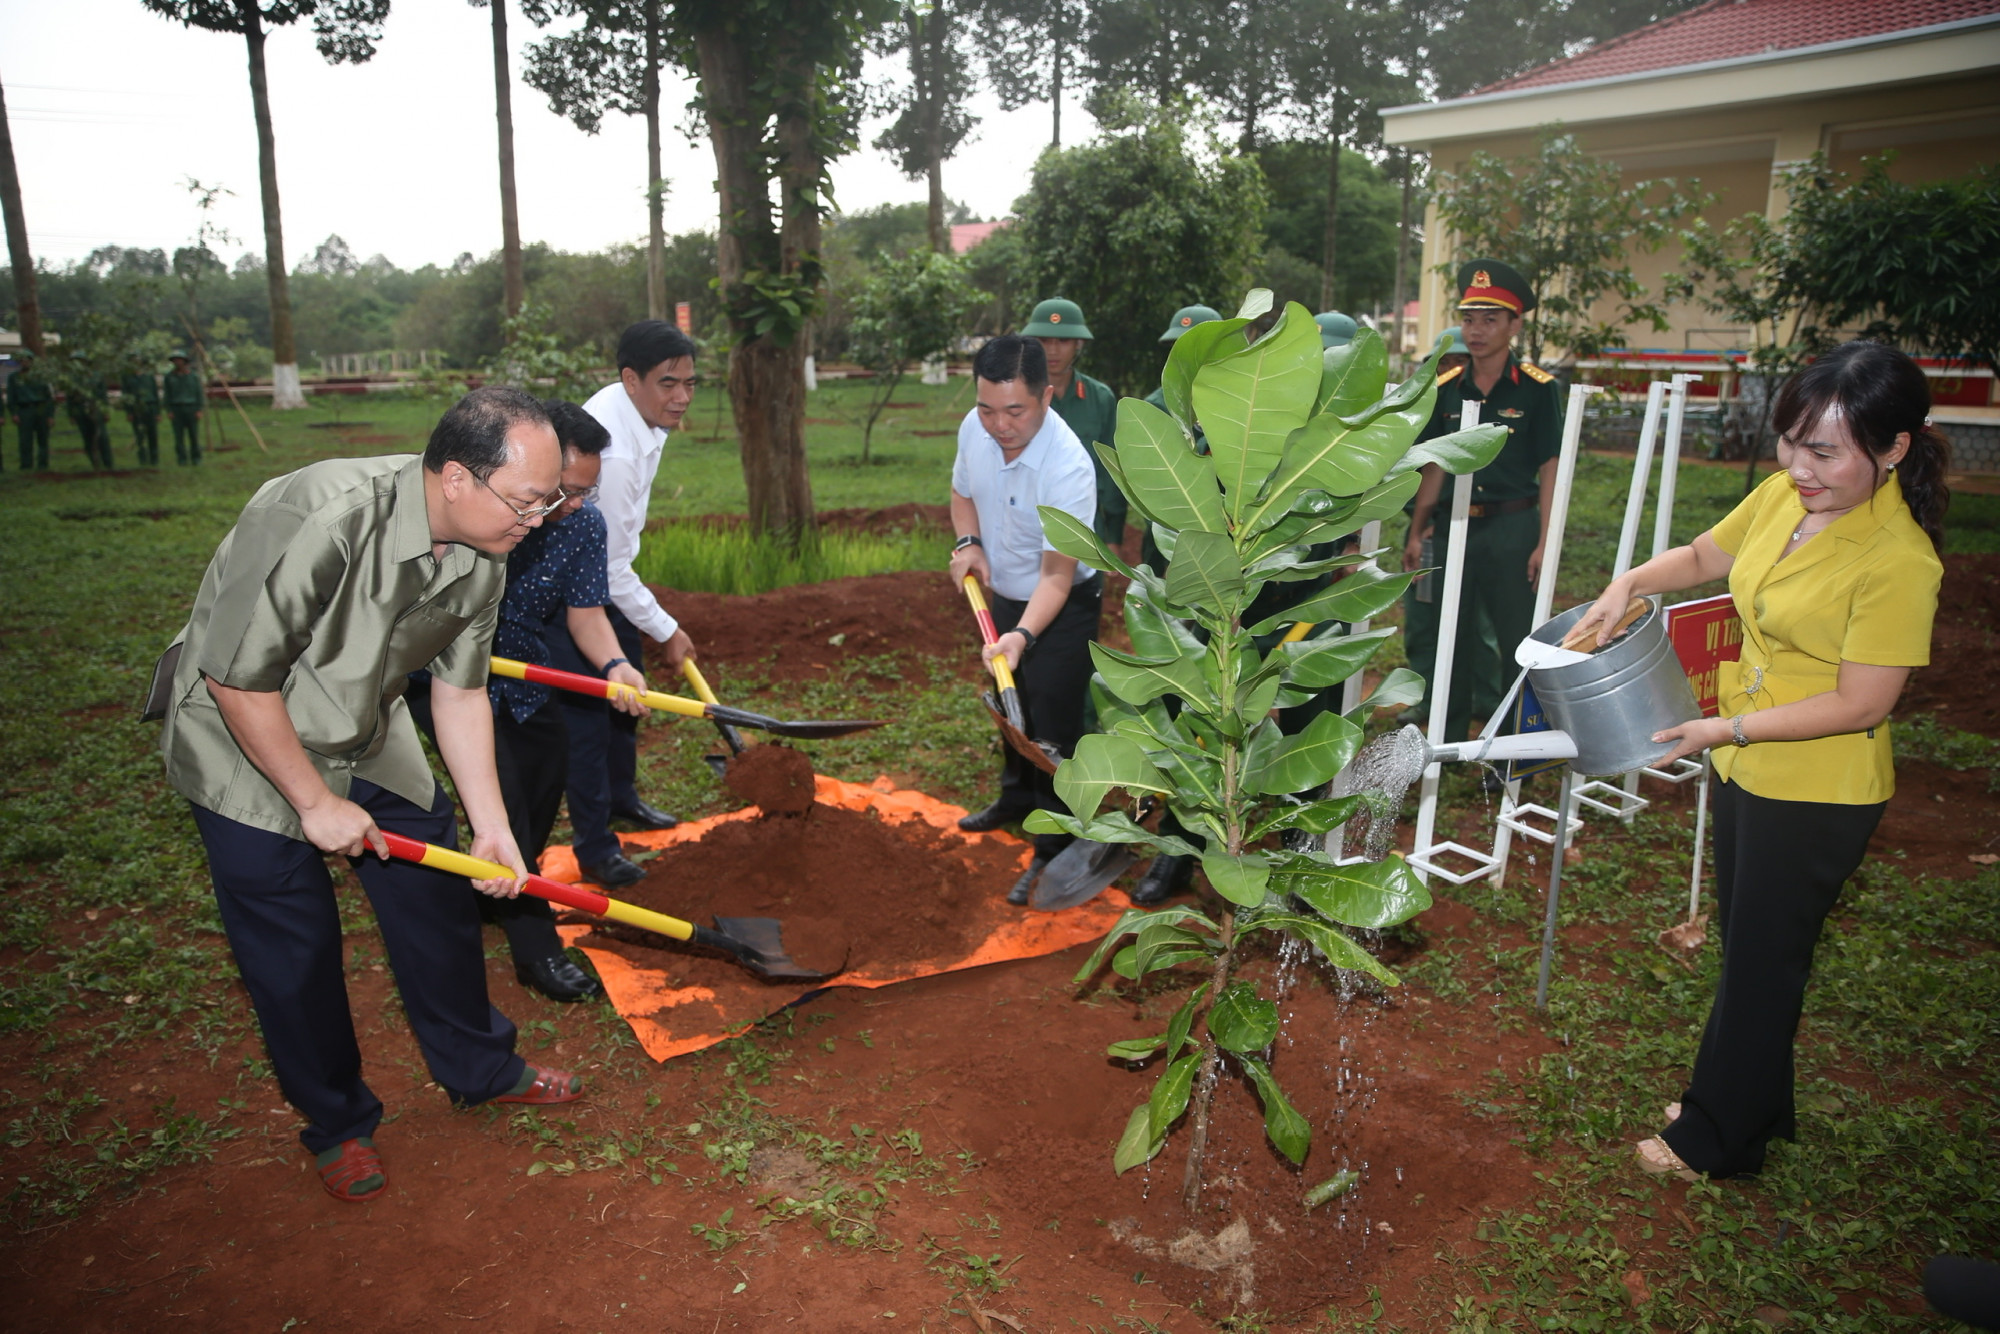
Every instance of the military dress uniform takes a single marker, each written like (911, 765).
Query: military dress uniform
(1088, 408)
(1496, 601)
(139, 395)
(31, 402)
(185, 399)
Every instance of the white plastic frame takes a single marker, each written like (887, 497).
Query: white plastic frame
(1514, 821)
(1482, 862)
(1622, 804)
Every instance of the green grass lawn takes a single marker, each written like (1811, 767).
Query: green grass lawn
(1898, 1063)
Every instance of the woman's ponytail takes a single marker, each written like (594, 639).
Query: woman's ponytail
(1923, 472)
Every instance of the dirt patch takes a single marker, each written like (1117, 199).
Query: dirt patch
(776, 779)
(1962, 684)
(851, 891)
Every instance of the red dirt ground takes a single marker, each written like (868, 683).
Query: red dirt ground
(999, 1070)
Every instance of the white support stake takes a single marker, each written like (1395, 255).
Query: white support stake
(1700, 835)
(1350, 691)
(1663, 517)
(1447, 647)
(1642, 473)
(1545, 592)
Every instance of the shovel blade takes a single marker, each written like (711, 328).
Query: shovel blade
(1042, 757)
(757, 944)
(1080, 872)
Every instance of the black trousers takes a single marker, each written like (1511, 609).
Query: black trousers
(587, 723)
(276, 899)
(532, 757)
(621, 754)
(1054, 682)
(1779, 868)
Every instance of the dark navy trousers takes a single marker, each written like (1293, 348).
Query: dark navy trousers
(600, 751)
(276, 898)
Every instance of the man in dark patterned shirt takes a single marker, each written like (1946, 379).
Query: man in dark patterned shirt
(555, 576)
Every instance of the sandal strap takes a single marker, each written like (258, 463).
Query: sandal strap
(357, 1162)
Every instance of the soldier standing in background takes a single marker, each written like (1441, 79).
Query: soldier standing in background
(1510, 498)
(1086, 406)
(1335, 329)
(32, 405)
(88, 400)
(139, 395)
(185, 399)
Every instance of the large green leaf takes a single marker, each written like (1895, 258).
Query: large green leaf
(1128, 922)
(1460, 452)
(1287, 1130)
(1308, 759)
(1338, 949)
(1373, 895)
(1251, 401)
(1256, 302)
(1359, 597)
(1298, 562)
(1241, 1020)
(1239, 878)
(1155, 634)
(1399, 688)
(1134, 1049)
(1258, 699)
(1319, 663)
(1385, 499)
(1073, 537)
(1102, 762)
(1352, 376)
(1179, 1026)
(1162, 945)
(1315, 817)
(1110, 827)
(1191, 351)
(1108, 455)
(1170, 1094)
(1176, 484)
(1136, 1145)
(1413, 390)
(1141, 680)
(1206, 573)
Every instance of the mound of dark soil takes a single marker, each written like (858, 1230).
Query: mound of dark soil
(775, 779)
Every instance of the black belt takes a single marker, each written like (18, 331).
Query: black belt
(1493, 509)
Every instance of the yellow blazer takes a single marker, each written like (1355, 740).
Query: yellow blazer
(1862, 590)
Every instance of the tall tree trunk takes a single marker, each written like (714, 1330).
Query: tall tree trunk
(1055, 133)
(285, 391)
(1332, 224)
(766, 380)
(512, 285)
(927, 38)
(1402, 256)
(656, 235)
(26, 300)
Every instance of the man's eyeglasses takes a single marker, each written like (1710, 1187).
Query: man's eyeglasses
(588, 494)
(525, 516)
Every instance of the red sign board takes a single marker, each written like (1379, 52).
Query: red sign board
(1705, 634)
(684, 317)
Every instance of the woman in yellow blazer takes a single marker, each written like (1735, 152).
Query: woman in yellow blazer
(1834, 569)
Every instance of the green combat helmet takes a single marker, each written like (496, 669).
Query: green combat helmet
(1186, 318)
(1335, 329)
(24, 355)
(1457, 337)
(1056, 318)
(179, 354)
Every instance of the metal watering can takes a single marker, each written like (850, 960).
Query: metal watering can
(1607, 705)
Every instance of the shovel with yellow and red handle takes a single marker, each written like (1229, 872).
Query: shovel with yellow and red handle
(1007, 710)
(687, 708)
(753, 942)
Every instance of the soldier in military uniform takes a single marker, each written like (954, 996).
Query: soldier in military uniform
(185, 399)
(1510, 498)
(1457, 356)
(88, 400)
(139, 395)
(32, 405)
(1086, 406)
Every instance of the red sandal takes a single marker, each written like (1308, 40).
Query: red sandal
(355, 1163)
(546, 1088)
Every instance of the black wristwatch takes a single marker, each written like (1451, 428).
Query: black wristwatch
(605, 670)
(967, 540)
(1026, 634)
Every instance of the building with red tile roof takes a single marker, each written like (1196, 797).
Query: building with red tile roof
(1733, 93)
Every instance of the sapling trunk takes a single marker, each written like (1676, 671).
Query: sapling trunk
(1205, 1080)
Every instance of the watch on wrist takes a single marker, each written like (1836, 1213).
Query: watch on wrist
(1736, 731)
(1025, 633)
(967, 540)
(605, 670)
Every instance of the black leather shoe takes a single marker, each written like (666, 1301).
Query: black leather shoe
(558, 978)
(647, 817)
(1166, 877)
(993, 817)
(613, 871)
(1025, 886)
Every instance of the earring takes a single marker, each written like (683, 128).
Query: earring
(1892, 467)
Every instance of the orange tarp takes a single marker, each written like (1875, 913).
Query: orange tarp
(671, 1021)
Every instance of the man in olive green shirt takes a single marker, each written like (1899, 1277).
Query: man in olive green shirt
(139, 396)
(185, 399)
(1087, 406)
(1510, 499)
(88, 400)
(287, 733)
(32, 405)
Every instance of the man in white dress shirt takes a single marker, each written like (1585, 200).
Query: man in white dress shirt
(656, 383)
(1015, 455)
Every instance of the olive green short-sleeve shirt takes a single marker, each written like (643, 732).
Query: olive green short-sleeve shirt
(326, 590)
(1091, 410)
(1526, 401)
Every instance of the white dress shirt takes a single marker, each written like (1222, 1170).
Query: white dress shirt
(1053, 470)
(625, 486)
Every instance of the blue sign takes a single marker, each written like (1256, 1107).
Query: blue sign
(1529, 717)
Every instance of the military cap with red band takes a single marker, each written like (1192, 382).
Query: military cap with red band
(1494, 285)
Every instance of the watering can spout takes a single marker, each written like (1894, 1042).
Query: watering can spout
(1523, 746)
